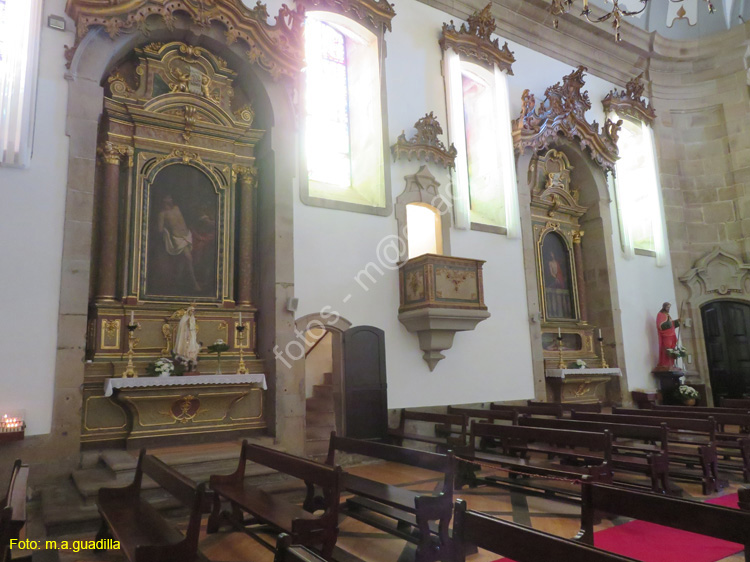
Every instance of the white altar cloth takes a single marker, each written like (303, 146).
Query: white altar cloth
(111, 384)
(561, 373)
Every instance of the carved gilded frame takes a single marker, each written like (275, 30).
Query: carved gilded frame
(148, 165)
(541, 230)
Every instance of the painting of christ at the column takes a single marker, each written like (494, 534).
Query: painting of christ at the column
(182, 249)
(556, 277)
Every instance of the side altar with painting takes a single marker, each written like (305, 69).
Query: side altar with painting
(175, 236)
(576, 369)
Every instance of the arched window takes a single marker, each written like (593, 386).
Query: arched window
(637, 190)
(20, 27)
(344, 125)
(479, 126)
(424, 230)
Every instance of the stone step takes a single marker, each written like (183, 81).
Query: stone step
(316, 447)
(328, 379)
(318, 432)
(320, 419)
(323, 391)
(315, 404)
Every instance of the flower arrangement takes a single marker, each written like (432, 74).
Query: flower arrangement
(687, 392)
(677, 351)
(165, 367)
(580, 363)
(218, 347)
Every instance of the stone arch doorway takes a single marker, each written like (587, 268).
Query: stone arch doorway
(726, 329)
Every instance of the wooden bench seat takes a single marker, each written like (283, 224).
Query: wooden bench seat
(422, 518)
(692, 442)
(688, 515)
(592, 450)
(519, 543)
(144, 534)
(15, 498)
(450, 429)
(654, 461)
(265, 509)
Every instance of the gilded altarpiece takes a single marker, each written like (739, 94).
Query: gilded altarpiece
(175, 228)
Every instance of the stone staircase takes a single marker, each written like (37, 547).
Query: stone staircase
(70, 507)
(320, 419)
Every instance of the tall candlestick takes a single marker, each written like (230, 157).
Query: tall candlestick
(132, 317)
(559, 333)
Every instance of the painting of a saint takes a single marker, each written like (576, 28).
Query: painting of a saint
(558, 286)
(181, 258)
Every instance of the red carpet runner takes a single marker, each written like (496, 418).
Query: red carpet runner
(654, 543)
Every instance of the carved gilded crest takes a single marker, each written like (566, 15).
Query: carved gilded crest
(474, 41)
(374, 14)
(554, 194)
(425, 144)
(629, 101)
(277, 48)
(563, 112)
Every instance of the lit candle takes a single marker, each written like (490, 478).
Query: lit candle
(559, 334)
(600, 333)
(132, 317)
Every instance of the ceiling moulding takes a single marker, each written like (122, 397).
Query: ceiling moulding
(474, 42)
(374, 14)
(563, 112)
(425, 144)
(277, 48)
(629, 102)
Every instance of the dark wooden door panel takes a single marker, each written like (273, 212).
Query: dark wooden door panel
(365, 387)
(726, 327)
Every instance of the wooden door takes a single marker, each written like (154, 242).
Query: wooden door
(365, 387)
(726, 327)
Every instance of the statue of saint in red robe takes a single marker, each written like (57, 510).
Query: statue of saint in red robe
(667, 337)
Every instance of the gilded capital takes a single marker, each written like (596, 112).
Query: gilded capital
(248, 175)
(577, 235)
(112, 153)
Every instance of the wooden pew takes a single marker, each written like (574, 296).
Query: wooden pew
(287, 552)
(6, 532)
(144, 535)
(723, 523)
(450, 429)
(266, 509)
(488, 416)
(735, 403)
(380, 505)
(722, 418)
(695, 439)
(655, 460)
(519, 543)
(555, 410)
(595, 407)
(15, 498)
(593, 450)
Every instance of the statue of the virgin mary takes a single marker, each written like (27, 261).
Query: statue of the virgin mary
(186, 345)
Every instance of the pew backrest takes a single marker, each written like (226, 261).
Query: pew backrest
(723, 523)
(707, 426)
(517, 542)
(742, 420)
(509, 415)
(735, 403)
(555, 410)
(703, 409)
(658, 433)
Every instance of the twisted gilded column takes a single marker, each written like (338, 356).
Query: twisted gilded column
(111, 155)
(578, 257)
(247, 182)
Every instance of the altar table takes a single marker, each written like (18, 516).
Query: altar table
(582, 385)
(192, 408)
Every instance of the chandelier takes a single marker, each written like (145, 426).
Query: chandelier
(559, 7)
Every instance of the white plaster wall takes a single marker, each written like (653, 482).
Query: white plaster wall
(31, 227)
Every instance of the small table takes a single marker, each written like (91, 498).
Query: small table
(214, 406)
(580, 385)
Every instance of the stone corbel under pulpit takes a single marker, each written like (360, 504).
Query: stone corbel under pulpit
(440, 296)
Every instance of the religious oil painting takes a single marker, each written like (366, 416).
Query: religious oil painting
(557, 280)
(182, 249)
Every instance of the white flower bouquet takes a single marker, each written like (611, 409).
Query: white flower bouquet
(580, 363)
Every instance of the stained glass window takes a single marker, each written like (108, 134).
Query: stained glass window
(636, 184)
(487, 203)
(327, 104)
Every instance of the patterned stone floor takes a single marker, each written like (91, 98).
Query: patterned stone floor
(369, 544)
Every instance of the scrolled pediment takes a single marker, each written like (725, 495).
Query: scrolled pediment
(277, 48)
(629, 102)
(563, 113)
(475, 43)
(374, 14)
(718, 273)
